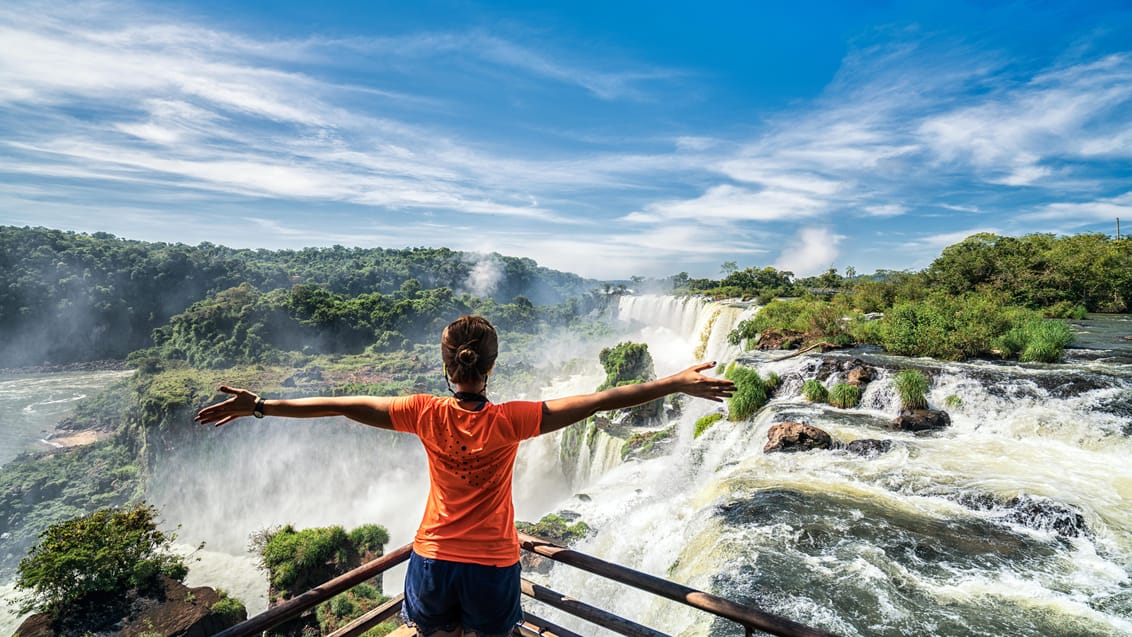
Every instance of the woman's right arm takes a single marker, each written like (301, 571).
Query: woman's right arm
(368, 410)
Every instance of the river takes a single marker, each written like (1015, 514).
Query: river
(1015, 520)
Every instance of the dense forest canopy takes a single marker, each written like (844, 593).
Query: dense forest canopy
(1057, 275)
(72, 297)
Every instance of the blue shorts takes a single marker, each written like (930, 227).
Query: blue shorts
(441, 595)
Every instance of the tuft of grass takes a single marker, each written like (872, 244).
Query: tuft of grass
(814, 391)
(751, 391)
(952, 401)
(1037, 341)
(912, 386)
(844, 395)
(705, 423)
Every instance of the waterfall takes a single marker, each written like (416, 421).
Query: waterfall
(1014, 520)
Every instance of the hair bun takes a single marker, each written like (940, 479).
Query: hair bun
(467, 357)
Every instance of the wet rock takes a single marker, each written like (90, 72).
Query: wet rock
(921, 420)
(1044, 514)
(1035, 512)
(869, 447)
(854, 370)
(796, 436)
(774, 338)
(859, 376)
(174, 609)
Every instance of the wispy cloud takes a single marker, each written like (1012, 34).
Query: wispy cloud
(812, 251)
(141, 109)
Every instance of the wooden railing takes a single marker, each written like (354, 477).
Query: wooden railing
(751, 619)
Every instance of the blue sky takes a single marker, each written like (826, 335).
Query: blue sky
(608, 139)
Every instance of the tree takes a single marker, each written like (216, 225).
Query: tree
(728, 267)
(103, 554)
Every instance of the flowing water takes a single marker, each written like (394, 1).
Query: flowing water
(32, 404)
(1016, 520)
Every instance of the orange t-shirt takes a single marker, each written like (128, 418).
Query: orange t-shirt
(469, 516)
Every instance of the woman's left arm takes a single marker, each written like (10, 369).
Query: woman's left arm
(368, 410)
(562, 412)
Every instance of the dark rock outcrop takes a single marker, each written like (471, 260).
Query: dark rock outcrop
(174, 610)
(1035, 512)
(796, 436)
(869, 447)
(918, 420)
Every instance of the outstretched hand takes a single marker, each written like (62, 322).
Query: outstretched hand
(242, 403)
(692, 382)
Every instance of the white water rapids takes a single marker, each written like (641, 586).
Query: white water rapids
(922, 540)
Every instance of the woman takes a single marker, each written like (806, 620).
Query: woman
(463, 575)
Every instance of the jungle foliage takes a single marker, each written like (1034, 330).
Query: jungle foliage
(752, 392)
(987, 295)
(77, 297)
(96, 558)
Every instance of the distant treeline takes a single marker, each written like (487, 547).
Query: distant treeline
(1059, 276)
(69, 296)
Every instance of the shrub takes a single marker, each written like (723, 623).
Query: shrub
(751, 391)
(555, 527)
(844, 395)
(952, 401)
(1037, 340)
(372, 537)
(814, 391)
(110, 551)
(1065, 310)
(287, 553)
(912, 386)
(705, 423)
(229, 607)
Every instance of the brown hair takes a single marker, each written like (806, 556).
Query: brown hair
(469, 346)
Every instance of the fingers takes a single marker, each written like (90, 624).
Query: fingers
(229, 390)
(703, 366)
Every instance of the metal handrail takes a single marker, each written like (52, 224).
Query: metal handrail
(750, 618)
(295, 606)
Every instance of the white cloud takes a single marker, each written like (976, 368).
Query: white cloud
(813, 251)
(734, 203)
(886, 210)
(944, 239)
(1086, 212)
(1076, 112)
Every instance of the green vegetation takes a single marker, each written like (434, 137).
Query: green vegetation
(309, 557)
(1036, 340)
(555, 527)
(626, 364)
(983, 296)
(369, 537)
(952, 401)
(102, 554)
(705, 422)
(229, 607)
(844, 395)
(629, 364)
(752, 392)
(642, 444)
(814, 391)
(89, 297)
(348, 606)
(912, 387)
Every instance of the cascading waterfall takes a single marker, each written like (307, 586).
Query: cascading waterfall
(1012, 521)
